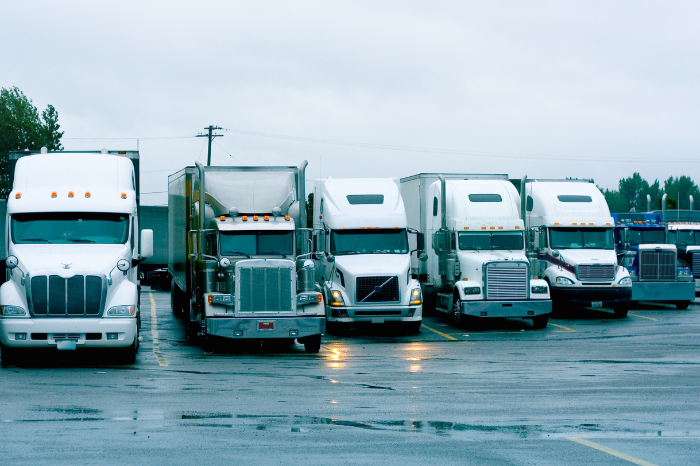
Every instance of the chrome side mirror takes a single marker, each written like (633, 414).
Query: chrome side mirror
(422, 256)
(330, 257)
(224, 263)
(11, 262)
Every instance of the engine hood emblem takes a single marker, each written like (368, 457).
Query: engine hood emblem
(66, 266)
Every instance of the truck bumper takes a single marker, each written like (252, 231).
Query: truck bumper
(663, 291)
(530, 308)
(84, 332)
(376, 315)
(591, 295)
(263, 329)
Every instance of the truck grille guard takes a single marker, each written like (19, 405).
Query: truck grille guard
(82, 295)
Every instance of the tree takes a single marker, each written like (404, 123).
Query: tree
(681, 188)
(21, 128)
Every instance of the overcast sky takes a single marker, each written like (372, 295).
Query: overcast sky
(369, 88)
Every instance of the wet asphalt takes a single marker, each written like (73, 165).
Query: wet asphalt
(588, 389)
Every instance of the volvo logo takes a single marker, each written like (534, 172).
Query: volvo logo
(66, 266)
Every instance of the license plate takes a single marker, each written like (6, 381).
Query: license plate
(65, 345)
(377, 320)
(597, 304)
(266, 325)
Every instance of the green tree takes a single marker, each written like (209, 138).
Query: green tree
(22, 128)
(681, 188)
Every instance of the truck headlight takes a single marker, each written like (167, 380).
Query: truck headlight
(121, 311)
(337, 298)
(539, 289)
(12, 311)
(633, 272)
(416, 297)
(472, 290)
(625, 281)
(684, 273)
(564, 281)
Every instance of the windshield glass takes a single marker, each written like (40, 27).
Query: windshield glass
(689, 237)
(257, 243)
(369, 242)
(581, 238)
(487, 241)
(646, 236)
(70, 228)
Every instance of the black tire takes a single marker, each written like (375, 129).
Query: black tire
(312, 344)
(412, 328)
(9, 356)
(192, 331)
(620, 311)
(335, 328)
(540, 321)
(682, 305)
(177, 300)
(127, 356)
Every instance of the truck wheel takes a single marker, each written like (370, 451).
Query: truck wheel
(412, 328)
(177, 302)
(312, 344)
(127, 356)
(9, 356)
(682, 305)
(192, 330)
(620, 311)
(335, 328)
(540, 321)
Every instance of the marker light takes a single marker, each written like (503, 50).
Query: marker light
(255, 217)
(18, 195)
(245, 218)
(286, 217)
(556, 224)
(70, 193)
(493, 228)
(337, 298)
(517, 228)
(123, 195)
(466, 228)
(222, 218)
(500, 228)
(87, 194)
(53, 194)
(267, 218)
(483, 228)
(590, 224)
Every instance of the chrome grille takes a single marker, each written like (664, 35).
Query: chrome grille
(66, 336)
(596, 272)
(696, 264)
(506, 281)
(377, 289)
(657, 265)
(265, 289)
(77, 296)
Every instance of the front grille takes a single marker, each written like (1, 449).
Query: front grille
(66, 336)
(596, 272)
(696, 264)
(265, 289)
(657, 265)
(506, 281)
(377, 313)
(54, 296)
(377, 290)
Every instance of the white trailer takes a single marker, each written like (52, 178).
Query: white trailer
(365, 269)
(571, 231)
(477, 266)
(73, 245)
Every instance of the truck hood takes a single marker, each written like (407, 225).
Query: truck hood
(70, 257)
(482, 257)
(588, 256)
(373, 264)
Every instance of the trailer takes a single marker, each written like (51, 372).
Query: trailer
(477, 265)
(240, 255)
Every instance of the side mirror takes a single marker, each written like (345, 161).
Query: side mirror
(146, 244)
(420, 241)
(422, 257)
(11, 262)
(224, 263)
(123, 265)
(555, 253)
(330, 257)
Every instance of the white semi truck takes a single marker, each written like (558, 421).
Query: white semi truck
(73, 246)
(364, 269)
(477, 266)
(239, 254)
(571, 232)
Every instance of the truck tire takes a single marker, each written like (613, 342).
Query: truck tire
(312, 344)
(682, 305)
(412, 328)
(335, 328)
(540, 321)
(127, 356)
(177, 300)
(9, 356)
(620, 311)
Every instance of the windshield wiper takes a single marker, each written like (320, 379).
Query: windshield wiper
(342, 253)
(41, 240)
(80, 240)
(236, 253)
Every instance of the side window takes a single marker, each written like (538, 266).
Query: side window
(435, 206)
(132, 237)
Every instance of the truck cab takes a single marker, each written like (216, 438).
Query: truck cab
(571, 231)
(364, 270)
(686, 237)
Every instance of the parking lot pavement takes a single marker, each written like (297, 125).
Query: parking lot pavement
(588, 389)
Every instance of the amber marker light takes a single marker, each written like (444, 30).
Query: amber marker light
(286, 217)
(18, 195)
(483, 228)
(222, 218)
(267, 218)
(70, 193)
(211, 299)
(53, 194)
(245, 218)
(123, 195)
(493, 228)
(87, 194)
(255, 217)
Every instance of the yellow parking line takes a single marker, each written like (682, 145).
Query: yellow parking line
(565, 328)
(643, 317)
(610, 451)
(154, 333)
(449, 337)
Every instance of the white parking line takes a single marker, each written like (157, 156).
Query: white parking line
(610, 451)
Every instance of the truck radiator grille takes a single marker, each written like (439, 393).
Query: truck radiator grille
(54, 296)
(657, 265)
(506, 281)
(695, 258)
(596, 272)
(266, 289)
(377, 289)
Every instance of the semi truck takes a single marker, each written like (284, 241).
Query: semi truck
(240, 255)
(364, 270)
(476, 265)
(657, 275)
(571, 233)
(73, 248)
(686, 237)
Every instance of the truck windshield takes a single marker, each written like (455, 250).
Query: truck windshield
(487, 241)
(257, 243)
(689, 237)
(581, 238)
(70, 228)
(345, 242)
(646, 236)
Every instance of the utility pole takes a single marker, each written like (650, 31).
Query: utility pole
(210, 137)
